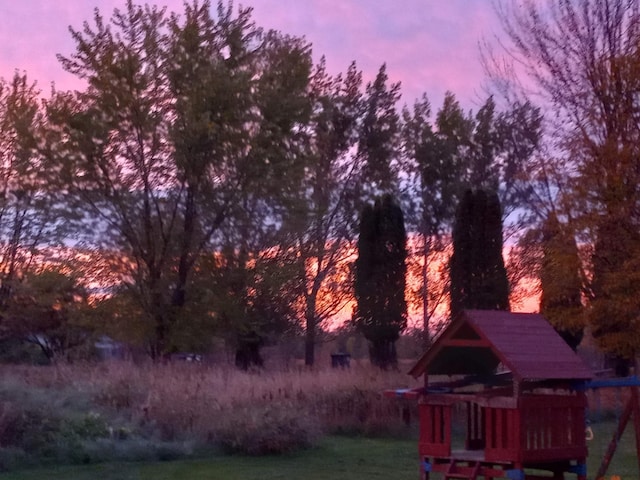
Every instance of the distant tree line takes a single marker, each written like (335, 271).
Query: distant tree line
(225, 181)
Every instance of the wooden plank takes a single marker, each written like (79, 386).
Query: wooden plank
(554, 454)
(437, 423)
(481, 399)
(499, 439)
(512, 430)
(434, 449)
(542, 401)
(448, 412)
(464, 342)
(489, 419)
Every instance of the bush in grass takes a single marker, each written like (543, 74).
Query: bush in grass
(86, 427)
(268, 429)
(121, 394)
(14, 351)
(357, 411)
(32, 435)
(131, 450)
(30, 430)
(12, 458)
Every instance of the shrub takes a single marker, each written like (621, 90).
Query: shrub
(355, 411)
(271, 429)
(121, 394)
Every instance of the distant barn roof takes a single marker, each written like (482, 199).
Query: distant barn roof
(477, 341)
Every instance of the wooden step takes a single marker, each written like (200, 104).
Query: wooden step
(469, 473)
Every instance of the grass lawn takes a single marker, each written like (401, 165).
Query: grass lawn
(338, 457)
(625, 461)
(342, 458)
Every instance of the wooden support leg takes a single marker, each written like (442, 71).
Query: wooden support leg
(613, 445)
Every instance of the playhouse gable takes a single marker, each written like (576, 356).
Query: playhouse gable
(477, 341)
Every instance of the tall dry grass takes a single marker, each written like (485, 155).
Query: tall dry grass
(258, 412)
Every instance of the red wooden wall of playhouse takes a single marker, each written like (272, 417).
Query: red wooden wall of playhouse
(542, 428)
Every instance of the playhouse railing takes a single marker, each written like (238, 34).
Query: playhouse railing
(435, 430)
(553, 427)
(531, 429)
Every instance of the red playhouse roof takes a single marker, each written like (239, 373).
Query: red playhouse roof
(478, 341)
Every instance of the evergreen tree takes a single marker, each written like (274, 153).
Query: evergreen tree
(478, 275)
(561, 299)
(380, 279)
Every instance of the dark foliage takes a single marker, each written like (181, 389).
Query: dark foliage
(561, 300)
(613, 316)
(478, 275)
(380, 278)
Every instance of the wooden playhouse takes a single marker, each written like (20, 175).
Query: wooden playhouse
(501, 400)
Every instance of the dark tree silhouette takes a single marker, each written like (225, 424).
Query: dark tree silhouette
(380, 279)
(478, 275)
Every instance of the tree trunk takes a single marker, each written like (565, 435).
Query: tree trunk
(382, 354)
(248, 351)
(310, 334)
(426, 249)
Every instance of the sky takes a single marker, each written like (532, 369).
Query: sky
(430, 46)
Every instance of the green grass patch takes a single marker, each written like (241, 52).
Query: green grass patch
(346, 458)
(336, 457)
(625, 461)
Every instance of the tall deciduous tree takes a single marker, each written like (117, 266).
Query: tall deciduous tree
(437, 155)
(379, 136)
(478, 275)
(322, 221)
(491, 150)
(30, 204)
(591, 85)
(380, 279)
(181, 115)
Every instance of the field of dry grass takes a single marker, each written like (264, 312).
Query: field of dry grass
(92, 408)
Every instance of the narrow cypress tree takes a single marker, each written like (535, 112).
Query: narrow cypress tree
(477, 271)
(380, 279)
